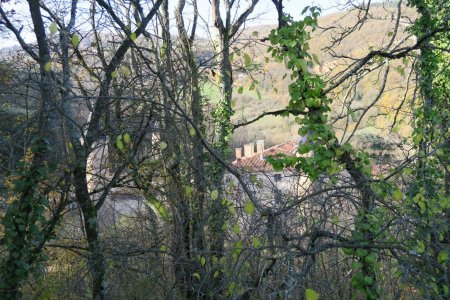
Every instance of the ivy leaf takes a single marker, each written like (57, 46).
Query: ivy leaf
(304, 148)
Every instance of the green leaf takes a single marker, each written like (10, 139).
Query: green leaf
(368, 280)
(240, 90)
(361, 252)
(158, 207)
(236, 229)
(214, 195)
(356, 265)
(371, 258)
(188, 191)
(418, 138)
(249, 207)
(192, 131)
(316, 59)
(75, 40)
(304, 148)
(53, 28)
(163, 145)
(397, 195)
(311, 294)
(247, 59)
(126, 138)
(258, 93)
(202, 261)
(133, 36)
(119, 143)
(114, 74)
(442, 256)
(256, 242)
(196, 275)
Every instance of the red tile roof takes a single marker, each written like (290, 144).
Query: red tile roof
(256, 164)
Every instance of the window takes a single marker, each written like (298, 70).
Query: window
(277, 177)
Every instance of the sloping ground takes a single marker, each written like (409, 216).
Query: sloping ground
(272, 83)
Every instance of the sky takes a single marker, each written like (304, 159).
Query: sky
(263, 14)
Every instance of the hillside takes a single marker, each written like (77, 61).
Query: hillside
(271, 82)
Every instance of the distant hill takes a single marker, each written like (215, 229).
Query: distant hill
(272, 83)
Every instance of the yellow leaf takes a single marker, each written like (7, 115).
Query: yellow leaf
(125, 71)
(192, 131)
(53, 28)
(75, 40)
(311, 294)
(249, 208)
(48, 67)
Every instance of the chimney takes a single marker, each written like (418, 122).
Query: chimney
(260, 148)
(249, 150)
(238, 152)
